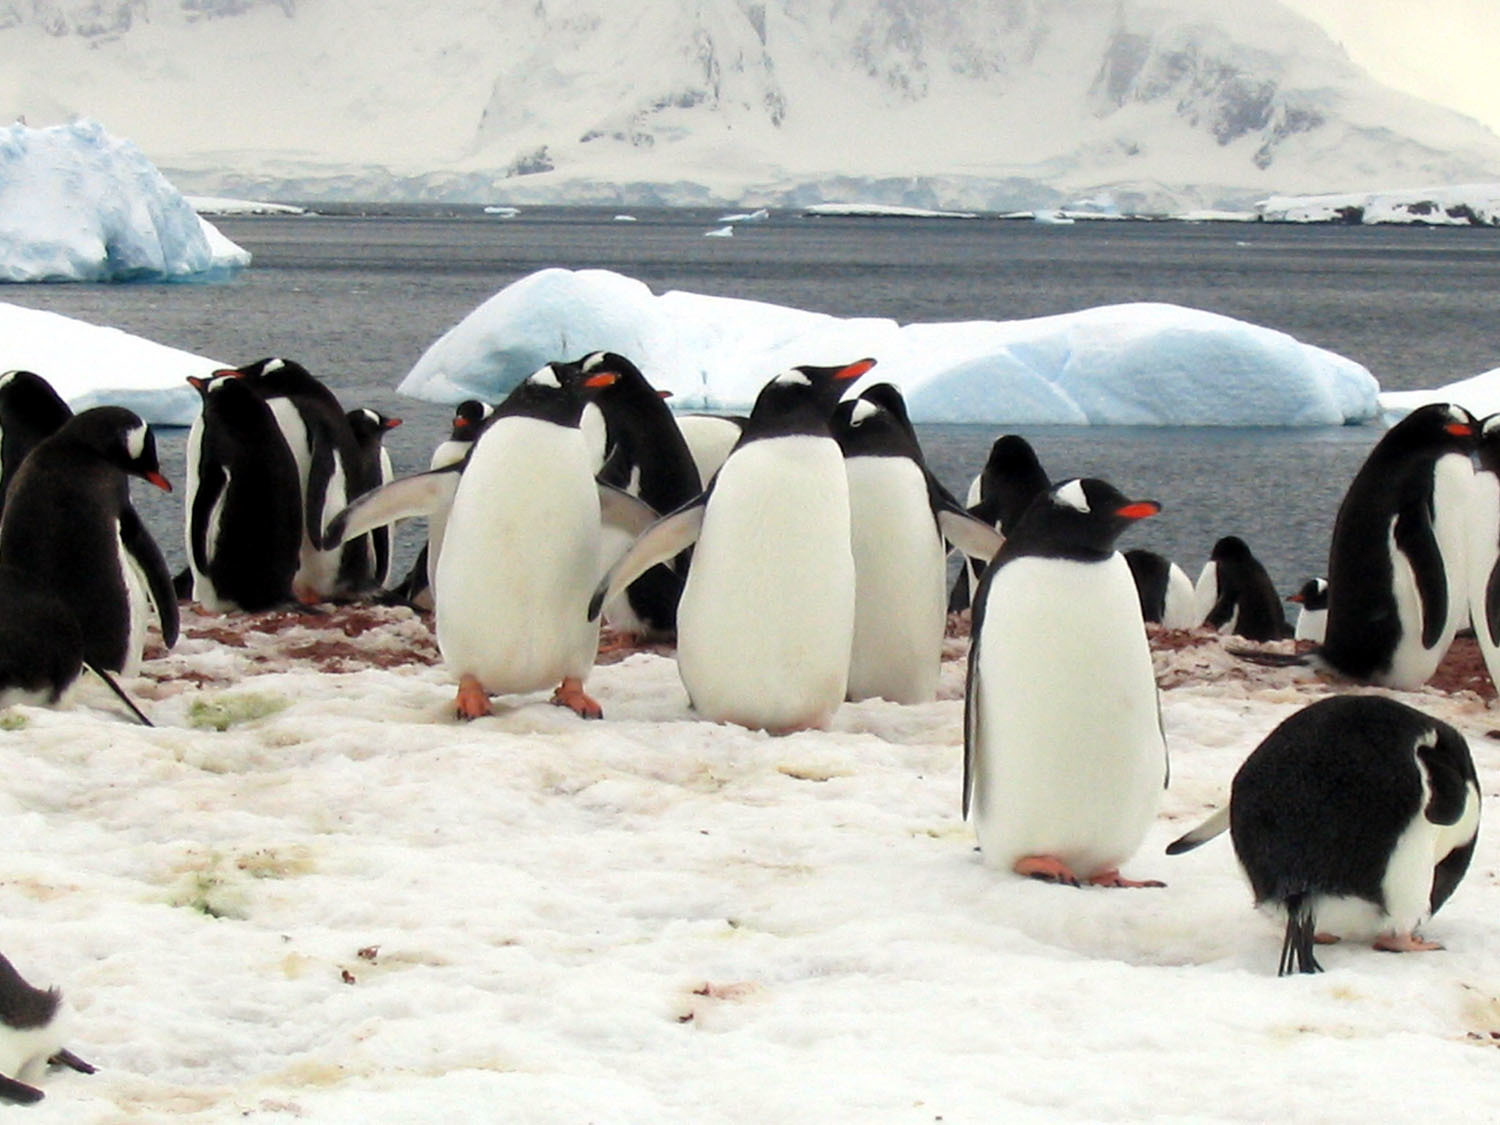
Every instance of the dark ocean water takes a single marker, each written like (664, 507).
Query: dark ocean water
(357, 296)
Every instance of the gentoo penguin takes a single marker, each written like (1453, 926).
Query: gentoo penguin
(1235, 595)
(1397, 572)
(317, 432)
(468, 419)
(244, 501)
(901, 519)
(1356, 816)
(32, 1029)
(1165, 590)
(1011, 479)
(766, 619)
(1064, 756)
(30, 410)
(646, 456)
(1483, 548)
(709, 438)
(371, 470)
(520, 550)
(1312, 610)
(69, 525)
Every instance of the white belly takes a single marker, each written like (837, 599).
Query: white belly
(767, 614)
(519, 560)
(1069, 758)
(1483, 551)
(137, 595)
(900, 578)
(1413, 663)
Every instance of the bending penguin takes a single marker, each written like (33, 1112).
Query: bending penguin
(1011, 479)
(30, 410)
(1165, 590)
(1235, 595)
(1356, 816)
(32, 1029)
(68, 524)
(902, 519)
(520, 551)
(766, 619)
(243, 499)
(1064, 756)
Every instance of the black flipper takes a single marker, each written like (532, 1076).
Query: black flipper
(68, 1059)
(18, 1092)
(1415, 539)
(119, 691)
(147, 555)
(211, 481)
(1491, 620)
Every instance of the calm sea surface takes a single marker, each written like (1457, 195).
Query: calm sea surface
(358, 296)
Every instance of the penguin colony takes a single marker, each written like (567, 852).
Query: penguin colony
(812, 533)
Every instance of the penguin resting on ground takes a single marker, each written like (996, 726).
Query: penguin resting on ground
(1356, 816)
(766, 620)
(1235, 595)
(1165, 590)
(31, 1036)
(1064, 755)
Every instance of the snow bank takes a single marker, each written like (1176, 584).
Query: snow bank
(1479, 395)
(1457, 205)
(1136, 364)
(89, 365)
(77, 204)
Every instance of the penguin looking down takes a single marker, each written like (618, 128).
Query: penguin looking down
(1356, 816)
(69, 525)
(32, 1029)
(1165, 590)
(1011, 479)
(1064, 755)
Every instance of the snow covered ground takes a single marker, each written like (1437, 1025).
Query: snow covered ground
(1132, 364)
(344, 906)
(77, 204)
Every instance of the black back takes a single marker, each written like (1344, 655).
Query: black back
(68, 509)
(1318, 806)
(30, 410)
(1396, 481)
(1244, 586)
(41, 646)
(1150, 571)
(370, 427)
(1011, 479)
(244, 459)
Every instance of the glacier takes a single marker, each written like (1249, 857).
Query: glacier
(1140, 364)
(78, 204)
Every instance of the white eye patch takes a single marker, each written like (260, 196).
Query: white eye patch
(1073, 496)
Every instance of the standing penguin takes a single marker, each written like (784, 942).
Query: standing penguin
(1483, 549)
(1311, 600)
(32, 1029)
(1011, 479)
(371, 470)
(1064, 756)
(30, 410)
(68, 524)
(1165, 590)
(1357, 815)
(1397, 573)
(520, 551)
(468, 419)
(1235, 595)
(646, 456)
(901, 516)
(767, 614)
(244, 501)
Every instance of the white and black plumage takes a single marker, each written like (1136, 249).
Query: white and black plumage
(1064, 756)
(30, 410)
(1483, 561)
(371, 470)
(1165, 590)
(1235, 595)
(1011, 479)
(1356, 816)
(902, 519)
(243, 500)
(766, 619)
(32, 1030)
(69, 525)
(1311, 600)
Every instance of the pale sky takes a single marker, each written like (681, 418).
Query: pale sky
(1447, 51)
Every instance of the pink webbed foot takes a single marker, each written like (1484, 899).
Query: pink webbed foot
(1113, 878)
(1405, 943)
(570, 694)
(1047, 868)
(473, 701)
(1326, 939)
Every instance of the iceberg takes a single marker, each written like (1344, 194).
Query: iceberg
(1139, 364)
(77, 204)
(89, 365)
(1478, 394)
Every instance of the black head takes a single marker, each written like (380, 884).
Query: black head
(875, 425)
(1011, 479)
(1077, 519)
(468, 417)
(25, 394)
(551, 393)
(609, 375)
(1231, 548)
(204, 385)
(1430, 431)
(1011, 455)
(1313, 595)
(801, 399)
(370, 426)
(119, 437)
(1488, 435)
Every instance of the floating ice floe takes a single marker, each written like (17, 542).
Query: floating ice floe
(1457, 205)
(1479, 395)
(77, 204)
(1133, 364)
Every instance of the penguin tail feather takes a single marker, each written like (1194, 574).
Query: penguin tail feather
(1297, 945)
(119, 692)
(1213, 826)
(1272, 659)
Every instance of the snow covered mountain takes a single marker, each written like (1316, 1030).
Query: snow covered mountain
(981, 104)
